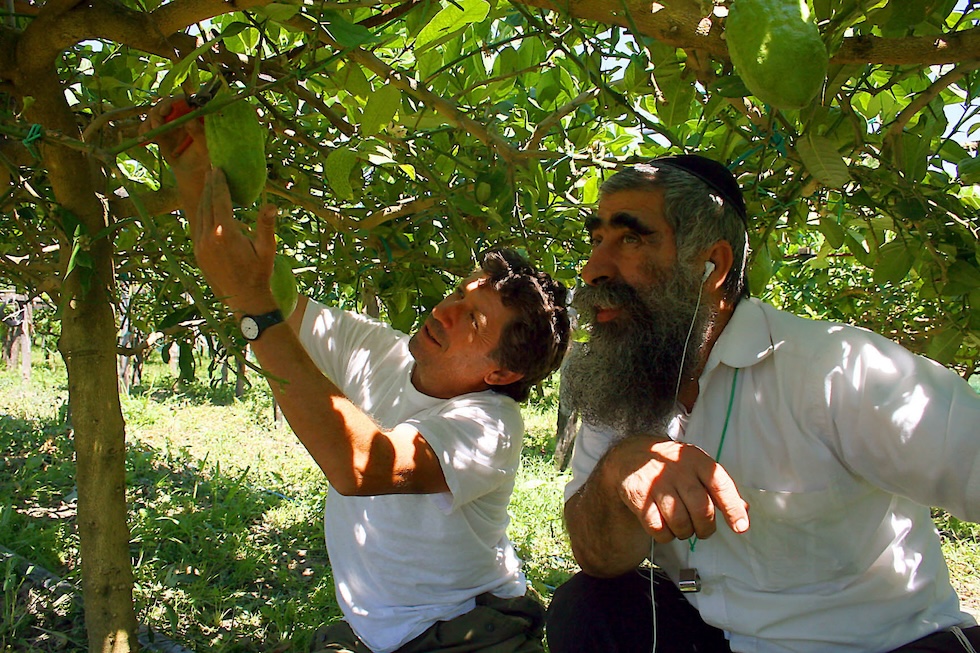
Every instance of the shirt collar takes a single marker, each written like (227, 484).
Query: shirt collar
(745, 340)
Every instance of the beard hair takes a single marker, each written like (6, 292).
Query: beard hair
(626, 375)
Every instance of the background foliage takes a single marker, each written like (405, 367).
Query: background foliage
(402, 138)
(405, 135)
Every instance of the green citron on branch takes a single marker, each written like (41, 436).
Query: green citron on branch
(236, 143)
(283, 284)
(777, 51)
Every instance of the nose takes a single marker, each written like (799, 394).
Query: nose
(443, 312)
(600, 268)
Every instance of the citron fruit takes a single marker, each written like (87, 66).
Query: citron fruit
(236, 143)
(283, 284)
(776, 50)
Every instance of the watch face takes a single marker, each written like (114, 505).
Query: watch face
(250, 328)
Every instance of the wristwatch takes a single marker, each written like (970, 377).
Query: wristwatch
(252, 326)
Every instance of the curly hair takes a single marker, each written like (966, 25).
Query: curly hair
(534, 342)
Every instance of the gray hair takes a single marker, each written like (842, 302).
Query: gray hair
(697, 214)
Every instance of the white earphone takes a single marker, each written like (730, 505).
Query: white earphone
(709, 267)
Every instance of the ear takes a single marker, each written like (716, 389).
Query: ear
(723, 257)
(502, 377)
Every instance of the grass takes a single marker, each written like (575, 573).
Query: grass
(226, 517)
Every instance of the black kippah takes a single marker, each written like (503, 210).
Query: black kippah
(717, 176)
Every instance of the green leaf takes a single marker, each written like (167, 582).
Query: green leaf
(182, 314)
(944, 345)
(381, 108)
(915, 156)
(343, 31)
(351, 78)
(674, 107)
(760, 271)
(730, 86)
(961, 278)
(279, 12)
(234, 29)
(822, 160)
(857, 249)
(893, 262)
(590, 191)
(179, 72)
(832, 231)
(968, 170)
(451, 18)
(337, 168)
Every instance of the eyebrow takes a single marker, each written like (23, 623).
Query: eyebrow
(622, 220)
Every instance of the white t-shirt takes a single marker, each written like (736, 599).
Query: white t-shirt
(402, 562)
(838, 438)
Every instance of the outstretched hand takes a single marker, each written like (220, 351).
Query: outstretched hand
(184, 147)
(237, 267)
(674, 489)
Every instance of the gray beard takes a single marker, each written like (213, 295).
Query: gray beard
(625, 376)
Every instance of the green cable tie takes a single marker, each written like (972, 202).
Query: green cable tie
(34, 134)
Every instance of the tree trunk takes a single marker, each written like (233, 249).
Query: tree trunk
(88, 347)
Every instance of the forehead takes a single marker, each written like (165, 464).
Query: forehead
(637, 210)
(486, 298)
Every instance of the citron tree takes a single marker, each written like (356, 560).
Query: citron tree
(402, 137)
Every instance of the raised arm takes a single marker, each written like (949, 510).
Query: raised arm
(355, 454)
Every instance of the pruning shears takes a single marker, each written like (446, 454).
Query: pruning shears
(183, 106)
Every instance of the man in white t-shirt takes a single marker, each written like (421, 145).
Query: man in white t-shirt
(419, 437)
(697, 400)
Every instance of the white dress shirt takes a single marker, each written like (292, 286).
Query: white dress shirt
(839, 440)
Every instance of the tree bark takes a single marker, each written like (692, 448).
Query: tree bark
(88, 347)
(685, 24)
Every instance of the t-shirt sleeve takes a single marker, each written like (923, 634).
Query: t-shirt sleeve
(591, 444)
(477, 439)
(336, 339)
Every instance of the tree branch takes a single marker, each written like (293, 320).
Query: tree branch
(555, 117)
(443, 107)
(404, 207)
(333, 218)
(47, 36)
(389, 14)
(922, 100)
(677, 24)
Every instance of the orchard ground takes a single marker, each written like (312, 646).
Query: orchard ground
(226, 515)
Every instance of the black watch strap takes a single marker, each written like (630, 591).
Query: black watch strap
(252, 326)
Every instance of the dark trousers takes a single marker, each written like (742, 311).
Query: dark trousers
(943, 642)
(495, 625)
(613, 615)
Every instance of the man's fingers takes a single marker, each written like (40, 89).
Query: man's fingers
(700, 513)
(221, 208)
(265, 231)
(205, 213)
(676, 518)
(727, 500)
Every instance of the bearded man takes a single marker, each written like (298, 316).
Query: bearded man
(839, 439)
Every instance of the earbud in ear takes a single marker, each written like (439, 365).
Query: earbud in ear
(709, 267)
